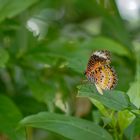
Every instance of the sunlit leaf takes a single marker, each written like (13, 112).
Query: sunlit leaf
(124, 119)
(134, 90)
(134, 93)
(100, 106)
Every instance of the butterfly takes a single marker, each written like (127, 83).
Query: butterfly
(100, 72)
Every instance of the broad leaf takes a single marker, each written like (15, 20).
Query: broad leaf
(100, 43)
(116, 100)
(134, 90)
(10, 8)
(100, 106)
(134, 93)
(124, 119)
(9, 118)
(133, 130)
(67, 126)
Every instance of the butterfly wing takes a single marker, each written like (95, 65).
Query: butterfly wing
(98, 57)
(100, 72)
(105, 77)
(104, 55)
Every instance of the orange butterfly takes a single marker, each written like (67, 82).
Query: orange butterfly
(100, 72)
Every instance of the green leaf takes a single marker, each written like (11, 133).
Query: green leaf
(124, 119)
(33, 105)
(78, 63)
(133, 130)
(116, 100)
(9, 118)
(9, 8)
(67, 126)
(134, 93)
(100, 43)
(100, 106)
(79, 58)
(41, 91)
(4, 56)
(134, 90)
(113, 24)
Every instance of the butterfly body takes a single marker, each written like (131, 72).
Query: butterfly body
(100, 72)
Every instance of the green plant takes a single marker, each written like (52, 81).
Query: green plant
(41, 72)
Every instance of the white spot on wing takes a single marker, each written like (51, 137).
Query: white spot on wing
(100, 54)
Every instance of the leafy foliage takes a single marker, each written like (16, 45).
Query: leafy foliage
(63, 124)
(44, 50)
(9, 118)
(116, 100)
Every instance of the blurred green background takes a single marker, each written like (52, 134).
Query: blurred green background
(44, 49)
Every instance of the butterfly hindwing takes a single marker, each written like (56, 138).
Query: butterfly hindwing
(105, 77)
